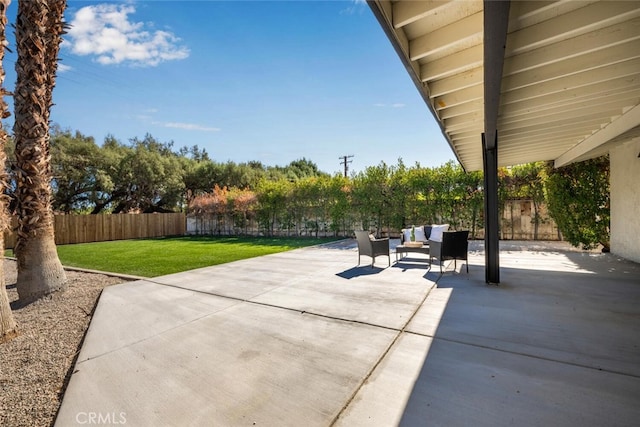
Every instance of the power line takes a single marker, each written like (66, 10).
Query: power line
(346, 162)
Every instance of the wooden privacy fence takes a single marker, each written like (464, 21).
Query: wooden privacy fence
(99, 228)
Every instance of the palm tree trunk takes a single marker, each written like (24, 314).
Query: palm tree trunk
(39, 29)
(8, 327)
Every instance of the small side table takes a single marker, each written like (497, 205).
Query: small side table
(404, 249)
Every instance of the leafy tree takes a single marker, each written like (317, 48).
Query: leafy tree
(243, 205)
(311, 194)
(472, 200)
(509, 188)
(300, 204)
(447, 193)
(112, 154)
(338, 193)
(235, 175)
(302, 168)
(200, 176)
(371, 196)
(150, 178)
(218, 205)
(272, 203)
(194, 153)
(420, 185)
(400, 195)
(530, 179)
(78, 172)
(578, 198)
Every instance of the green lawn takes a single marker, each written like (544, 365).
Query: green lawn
(157, 257)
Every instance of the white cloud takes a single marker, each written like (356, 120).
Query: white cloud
(105, 32)
(63, 68)
(397, 105)
(186, 126)
(357, 6)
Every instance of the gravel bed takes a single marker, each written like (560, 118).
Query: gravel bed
(35, 365)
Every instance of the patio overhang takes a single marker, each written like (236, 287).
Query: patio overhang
(568, 90)
(512, 82)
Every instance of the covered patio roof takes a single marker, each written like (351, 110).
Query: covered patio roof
(566, 89)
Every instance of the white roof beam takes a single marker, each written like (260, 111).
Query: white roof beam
(589, 18)
(528, 13)
(594, 95)
(582, 126)
(549, 153)
(475, 133)
(577, 83)
(460, 97)
(606, 112)
(469, 151)
(566, 49)
(468, 142)
(614, 100)
(445, 37)
(582, 67)
(561, 142)
(627, 121)
(529, 100)
(568, 135)
(603, 113)
(469, 137)
(458, 62)
(407, 12)
(468, 120)
(578, 132)
(459, 110)
(507, 160)
(459, 81)
(531, 152)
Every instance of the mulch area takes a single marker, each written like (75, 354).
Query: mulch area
(34, 367)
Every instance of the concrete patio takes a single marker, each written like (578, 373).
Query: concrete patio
(307, 338)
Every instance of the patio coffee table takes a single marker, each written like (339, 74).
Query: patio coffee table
(404, 249)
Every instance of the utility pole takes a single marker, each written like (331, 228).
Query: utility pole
(346, 162)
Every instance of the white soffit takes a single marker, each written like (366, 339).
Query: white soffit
(571, 77)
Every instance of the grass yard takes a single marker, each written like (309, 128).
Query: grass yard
(157, 257)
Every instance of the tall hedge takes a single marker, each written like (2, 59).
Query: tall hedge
(578, 200)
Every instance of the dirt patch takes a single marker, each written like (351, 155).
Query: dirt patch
(34, 366)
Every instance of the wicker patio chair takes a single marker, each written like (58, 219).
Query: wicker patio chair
(371, 247)
(454, 245)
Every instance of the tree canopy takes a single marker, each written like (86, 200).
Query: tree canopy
(147, 175)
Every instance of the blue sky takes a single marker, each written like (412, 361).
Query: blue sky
(273, 81)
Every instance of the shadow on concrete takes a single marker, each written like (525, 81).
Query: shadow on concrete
(412, 262)
(360, 271)
(556, 343)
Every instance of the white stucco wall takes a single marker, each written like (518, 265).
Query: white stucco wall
(625, 200)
